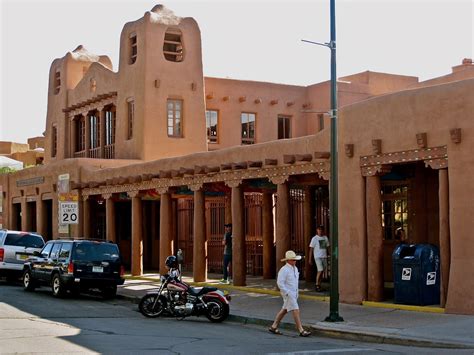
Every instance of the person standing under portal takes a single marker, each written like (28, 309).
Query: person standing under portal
(227, 243)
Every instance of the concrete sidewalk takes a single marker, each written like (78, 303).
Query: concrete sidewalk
(258, 303)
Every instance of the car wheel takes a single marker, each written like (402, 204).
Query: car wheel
(109, 292)
(57, 286)
(28, 282)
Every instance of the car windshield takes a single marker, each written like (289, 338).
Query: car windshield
(96, 252)
(24, 240)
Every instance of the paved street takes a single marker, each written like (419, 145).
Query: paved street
(39, 323)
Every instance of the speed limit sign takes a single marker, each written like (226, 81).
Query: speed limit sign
(68, 212)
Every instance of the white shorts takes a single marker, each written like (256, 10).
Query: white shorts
(290, 303)
(321, 264)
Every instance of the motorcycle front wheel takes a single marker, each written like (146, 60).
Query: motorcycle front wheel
(148, 307)
(217, 311)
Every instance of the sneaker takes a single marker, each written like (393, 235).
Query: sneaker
(223, 281)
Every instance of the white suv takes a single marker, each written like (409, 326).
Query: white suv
(15, 248)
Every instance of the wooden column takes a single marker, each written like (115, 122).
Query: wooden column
(86, 218)
(155, 242)
(444, 236)
(239, 257)
(40, 217)
(227, 210)
(283, 241)
(88, 134)
(308, 232)
(137, 234)
(199, 243)
(110, 218)
(268, 235)
(166, 244)
(24, 214)
(374, 239)
(102, 132)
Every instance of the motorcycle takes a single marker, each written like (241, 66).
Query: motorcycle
(178, 299)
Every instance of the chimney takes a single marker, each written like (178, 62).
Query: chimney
(466, 63)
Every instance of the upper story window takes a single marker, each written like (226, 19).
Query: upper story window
(80, 124)
(130, 117)
(284, 127)
(54, 141)
(133, 49)
(173, 46)
(248, 127)
(321, 121)
(212, 118)
(110, 125)
(175, 118)
(57, 82)
(94, 129)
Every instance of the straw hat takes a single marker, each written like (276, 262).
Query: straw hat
(291, 255)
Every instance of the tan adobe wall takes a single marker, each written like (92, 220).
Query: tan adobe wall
(460, 72)
(395, 119)
(7, 148)
(232, 97)
(29, 158)
(36, 142)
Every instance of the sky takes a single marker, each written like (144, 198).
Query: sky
(250, 40)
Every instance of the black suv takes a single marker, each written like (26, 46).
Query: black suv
(75, 266)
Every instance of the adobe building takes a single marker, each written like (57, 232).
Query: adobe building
(161, 157)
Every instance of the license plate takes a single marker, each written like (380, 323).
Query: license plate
(97, 269)
(22, 256)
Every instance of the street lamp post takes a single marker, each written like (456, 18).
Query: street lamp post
(333, 189)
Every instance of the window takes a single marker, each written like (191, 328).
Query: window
(248, 127)
(212, 117)
(54, 141)
(65, 251)
(172, 46)
(80, 123)
(55, 252)
(321, 121)
(175, 118)
(24, 240)
(395, 211)
(57, 82)
(133, 48)
(94, 124)
(284, 127)
(109, 125)
(131, 117)
(46, 250)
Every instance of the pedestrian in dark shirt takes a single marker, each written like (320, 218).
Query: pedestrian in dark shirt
(227, 243)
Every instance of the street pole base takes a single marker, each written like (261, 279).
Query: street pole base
(334, 317)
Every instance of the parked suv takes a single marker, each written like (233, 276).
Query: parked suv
(75, 266)
(15, 248)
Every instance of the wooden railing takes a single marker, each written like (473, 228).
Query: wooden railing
(95, 152)
(109, 151)
(81, 154)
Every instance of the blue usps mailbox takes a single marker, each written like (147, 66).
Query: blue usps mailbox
(416, 274)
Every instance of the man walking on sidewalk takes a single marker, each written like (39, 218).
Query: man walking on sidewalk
(227, 243)
(287, 281)
(318, 249)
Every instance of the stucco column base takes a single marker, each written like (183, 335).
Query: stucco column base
(200, 243)
(239, 269)
(86, 219)
(137, 237)
(283, 242)
(444, 237)
(166, 247)
(374, 239)
(268, 233)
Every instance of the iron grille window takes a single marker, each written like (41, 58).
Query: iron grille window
(175, 118)
(131, 117)
(212, 118)
(284, 127)
(173, 46)
(248, 127)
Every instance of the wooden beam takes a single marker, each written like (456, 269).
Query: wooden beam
(322, 155)
(289, 159)
(254, 164)
(239, 166)
(303, 157)
(271, 161)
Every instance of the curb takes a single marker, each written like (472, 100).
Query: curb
(345, 334)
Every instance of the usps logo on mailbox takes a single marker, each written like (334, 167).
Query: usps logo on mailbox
(431, 278)
(406, 273)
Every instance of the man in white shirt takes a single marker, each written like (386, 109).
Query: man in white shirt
(318, 249)
(287, 281)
